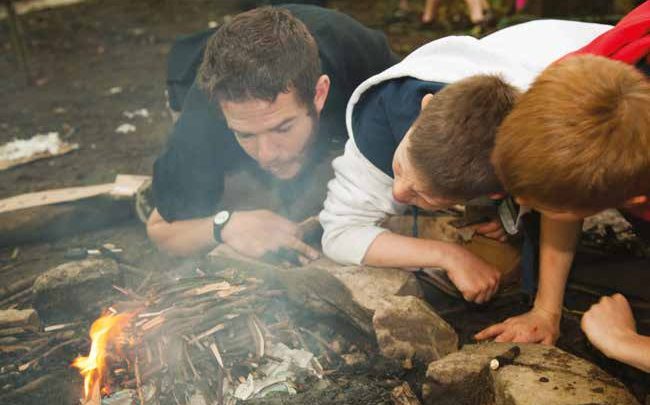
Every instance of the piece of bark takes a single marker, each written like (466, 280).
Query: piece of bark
(63, 293)
(403, 395)
(26, 318)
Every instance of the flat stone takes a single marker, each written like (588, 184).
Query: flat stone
(539, 375)
(407, 327)
(74, 288)
(369, 285)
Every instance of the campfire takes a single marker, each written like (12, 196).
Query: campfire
(93, 367)
(210, 338)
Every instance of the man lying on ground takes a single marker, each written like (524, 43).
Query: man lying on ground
(578, 142)
(421, 134)
(265, 114)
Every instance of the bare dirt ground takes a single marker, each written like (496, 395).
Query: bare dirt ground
(78, 53)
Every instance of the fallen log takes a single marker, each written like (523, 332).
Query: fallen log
(51, 214)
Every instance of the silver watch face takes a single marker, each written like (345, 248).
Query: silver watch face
(221, 217)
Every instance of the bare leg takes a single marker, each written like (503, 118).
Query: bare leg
(430, 11)
(475, 8)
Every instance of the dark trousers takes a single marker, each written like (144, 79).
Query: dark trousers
(627, 275)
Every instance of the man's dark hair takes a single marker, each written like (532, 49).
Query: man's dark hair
(258, 55)
(453, 137)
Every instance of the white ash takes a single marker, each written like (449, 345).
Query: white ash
(24, 148)
(125, 129)
(142, 112)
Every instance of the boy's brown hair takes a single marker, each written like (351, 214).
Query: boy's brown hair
(579, 138)
(258, 55)
(452, 138)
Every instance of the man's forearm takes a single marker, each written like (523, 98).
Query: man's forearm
(393, 250)
(558, 241)
(181, 238)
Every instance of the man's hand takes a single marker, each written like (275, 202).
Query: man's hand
(477, 280)
(492, 230)
(535, 326)
(609, 323)
(259, 232)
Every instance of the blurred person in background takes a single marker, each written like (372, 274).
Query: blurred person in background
(479, 11)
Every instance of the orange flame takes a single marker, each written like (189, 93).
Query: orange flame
(102, 331)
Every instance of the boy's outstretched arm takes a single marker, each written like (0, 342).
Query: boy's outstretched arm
(610, 327)
(477, 280)
(358, 199)
(558, 240)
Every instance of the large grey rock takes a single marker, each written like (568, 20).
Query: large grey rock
(74, 288)
(370, 298)
(539, 375)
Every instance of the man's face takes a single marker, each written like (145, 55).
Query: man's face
(408, 188)
(276, 134)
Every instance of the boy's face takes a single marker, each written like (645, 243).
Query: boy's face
(408, 188)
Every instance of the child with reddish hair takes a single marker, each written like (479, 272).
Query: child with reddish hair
(576, 143)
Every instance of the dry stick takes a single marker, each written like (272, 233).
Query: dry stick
(49, 353)
(144, 375)
(129, 293)
(138, 380)
(134, 270)
(189, 361)
(322, 342)
(144, 282)
(15, 297)
(208, 332)
(216, 353)
(16, 287)
(25, 389)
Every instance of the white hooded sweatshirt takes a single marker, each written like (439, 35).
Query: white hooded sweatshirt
(360, 195)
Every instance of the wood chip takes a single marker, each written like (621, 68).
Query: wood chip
(220, 286)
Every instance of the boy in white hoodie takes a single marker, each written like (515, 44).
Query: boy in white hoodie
(421, 134)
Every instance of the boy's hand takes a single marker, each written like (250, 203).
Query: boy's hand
(477, 280)
(492, 230)
(609, 323)
(535, 326)
(257, 233)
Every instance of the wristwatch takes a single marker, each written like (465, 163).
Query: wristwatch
(220, 220)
